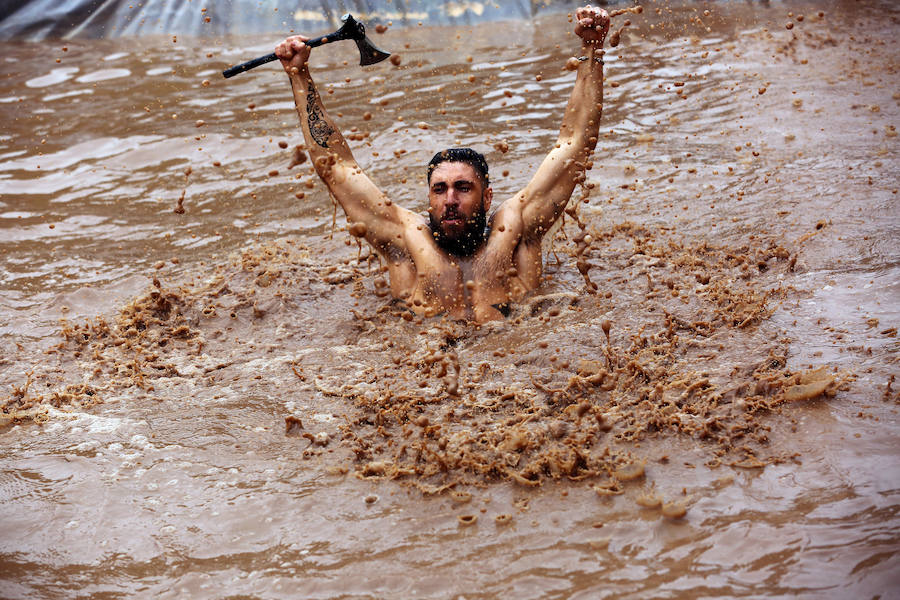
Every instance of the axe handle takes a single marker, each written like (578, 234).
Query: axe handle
(252, 64)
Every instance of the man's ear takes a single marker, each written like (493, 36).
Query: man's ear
(486, 198)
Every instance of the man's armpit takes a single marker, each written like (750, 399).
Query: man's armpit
(394, 253)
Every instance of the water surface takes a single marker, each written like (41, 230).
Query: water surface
(742, 208)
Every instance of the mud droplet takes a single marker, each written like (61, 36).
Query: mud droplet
(630, 471)
(298, 157)
(649, 499)
(606, 325)
(674, 510)
(460, 496)
(466, 520)
(292, 424)
(503, 519)
(358, 229)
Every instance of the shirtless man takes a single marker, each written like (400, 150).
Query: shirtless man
(452, 262)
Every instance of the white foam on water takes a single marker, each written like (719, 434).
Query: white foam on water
(103, 75)
(54, 77)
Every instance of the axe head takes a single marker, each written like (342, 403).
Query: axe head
(356, 31)
(368, 53)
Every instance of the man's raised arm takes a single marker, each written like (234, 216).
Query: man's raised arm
(360, 198)
(545, 197)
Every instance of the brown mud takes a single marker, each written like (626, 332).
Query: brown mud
(206, 383)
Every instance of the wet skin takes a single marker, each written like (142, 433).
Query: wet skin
(507, 263)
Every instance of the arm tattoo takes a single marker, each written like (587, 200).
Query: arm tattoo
(318, 126)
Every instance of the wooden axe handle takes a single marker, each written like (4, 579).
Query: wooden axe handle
(252, 64)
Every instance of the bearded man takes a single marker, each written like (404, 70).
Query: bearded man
(459, 261)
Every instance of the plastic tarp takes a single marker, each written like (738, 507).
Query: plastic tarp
(40, 19)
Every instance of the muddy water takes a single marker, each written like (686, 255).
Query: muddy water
(216, 402)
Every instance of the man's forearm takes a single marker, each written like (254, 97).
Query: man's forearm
(581, 122)
(359, 197)
(322, 135)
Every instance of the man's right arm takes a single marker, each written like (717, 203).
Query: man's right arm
(358, 195)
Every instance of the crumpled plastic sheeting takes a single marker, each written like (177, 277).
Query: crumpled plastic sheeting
(41, 19)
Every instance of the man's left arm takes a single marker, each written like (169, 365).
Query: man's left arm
(545, 197)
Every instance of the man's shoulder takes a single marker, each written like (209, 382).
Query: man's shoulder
(410, 218)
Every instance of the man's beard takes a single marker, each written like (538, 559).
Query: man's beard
(466, 243)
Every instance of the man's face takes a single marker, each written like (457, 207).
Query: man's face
(457, 201)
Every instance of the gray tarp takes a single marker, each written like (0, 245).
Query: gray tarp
(39, 19)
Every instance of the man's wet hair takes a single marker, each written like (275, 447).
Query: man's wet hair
(467, 155)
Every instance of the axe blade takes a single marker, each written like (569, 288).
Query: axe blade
(368, 53)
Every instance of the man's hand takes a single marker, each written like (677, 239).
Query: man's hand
(293, 53)
(592, 25)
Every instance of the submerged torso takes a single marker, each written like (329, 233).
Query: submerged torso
(477, 287)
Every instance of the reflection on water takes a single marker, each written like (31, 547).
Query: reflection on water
(744, 226)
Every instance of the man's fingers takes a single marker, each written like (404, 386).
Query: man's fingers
(585, 12)
(594, 20)
(290, 46)
(597, 23)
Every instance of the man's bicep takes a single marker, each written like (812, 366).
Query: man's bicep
(556, 174)
(546, 195)
(364, 202)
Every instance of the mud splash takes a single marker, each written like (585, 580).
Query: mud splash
(460, 405)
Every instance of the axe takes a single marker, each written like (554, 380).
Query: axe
(350, 30)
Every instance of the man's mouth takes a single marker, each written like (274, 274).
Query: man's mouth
(452, 219)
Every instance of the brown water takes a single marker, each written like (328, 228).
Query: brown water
(744, 231)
